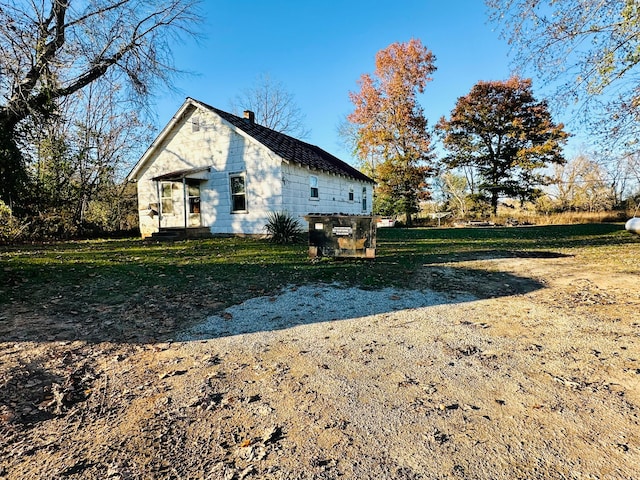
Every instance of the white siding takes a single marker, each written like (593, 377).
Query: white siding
(271, 184)
(333, 195)
(217, 145)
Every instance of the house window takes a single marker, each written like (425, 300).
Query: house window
(193, 196)
(195, 124)
(238, 193)
(313, 185)
(364, 199)
(166, 197)
(351, 194)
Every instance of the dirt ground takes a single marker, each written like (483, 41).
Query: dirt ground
(537, 375)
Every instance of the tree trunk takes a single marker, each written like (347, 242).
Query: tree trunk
(409, 218)
(494, 202)
(13, 175)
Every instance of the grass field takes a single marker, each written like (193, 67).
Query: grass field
(228, 270)
(523, 364)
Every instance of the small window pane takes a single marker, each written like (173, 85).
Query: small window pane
(313, 184)
(237, 185)
(167, 197)
(194, 205)
(239, 203)
(193, 190)
(238, 193)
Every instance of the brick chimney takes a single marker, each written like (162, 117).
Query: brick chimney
(249, 116)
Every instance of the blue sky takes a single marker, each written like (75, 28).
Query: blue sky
(319, 49)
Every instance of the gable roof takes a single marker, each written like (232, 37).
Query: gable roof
(285, 146)
(290, 148)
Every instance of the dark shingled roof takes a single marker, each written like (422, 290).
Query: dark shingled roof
(291, 149)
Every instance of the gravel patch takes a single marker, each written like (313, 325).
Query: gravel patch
(323, 382)
(303, 305)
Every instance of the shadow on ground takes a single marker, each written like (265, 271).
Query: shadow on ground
(149, 316)
(302, 305)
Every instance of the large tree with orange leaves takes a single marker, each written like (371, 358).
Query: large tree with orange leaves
(390, 125)
(500, 130)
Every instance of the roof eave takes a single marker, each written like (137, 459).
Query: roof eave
(361, 177)
(133, 175)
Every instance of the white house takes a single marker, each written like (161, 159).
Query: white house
(212, 171)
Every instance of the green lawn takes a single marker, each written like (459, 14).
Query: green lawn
(230, 269)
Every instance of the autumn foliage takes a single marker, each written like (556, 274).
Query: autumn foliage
(391, 128)
(500, 130)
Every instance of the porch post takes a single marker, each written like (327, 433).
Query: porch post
(184, 198)
(159, 205)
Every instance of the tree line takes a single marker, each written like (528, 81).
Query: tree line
(76, 79)
(499, 136)
(500, 142)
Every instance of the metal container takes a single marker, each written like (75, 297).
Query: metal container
(342, 236)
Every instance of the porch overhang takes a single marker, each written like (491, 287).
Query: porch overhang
(199, 173)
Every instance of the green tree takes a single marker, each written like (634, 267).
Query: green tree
(391, 126)
(50, 50)
(589, 48)
(11, 228)
(504, 133)
(79, 159)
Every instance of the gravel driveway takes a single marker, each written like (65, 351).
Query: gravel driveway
(312, 304)
(324, 382)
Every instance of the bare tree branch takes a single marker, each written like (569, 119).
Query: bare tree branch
(588, 49)
(71, 48)
(273, 105)
(53, 49)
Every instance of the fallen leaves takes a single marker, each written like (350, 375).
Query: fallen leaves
(171, 373)
(272, 434)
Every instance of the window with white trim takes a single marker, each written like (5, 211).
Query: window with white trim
(238, 193)
(313, 187)
(166, 197)
(351, 197)
(195, 124)
(364, 199)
